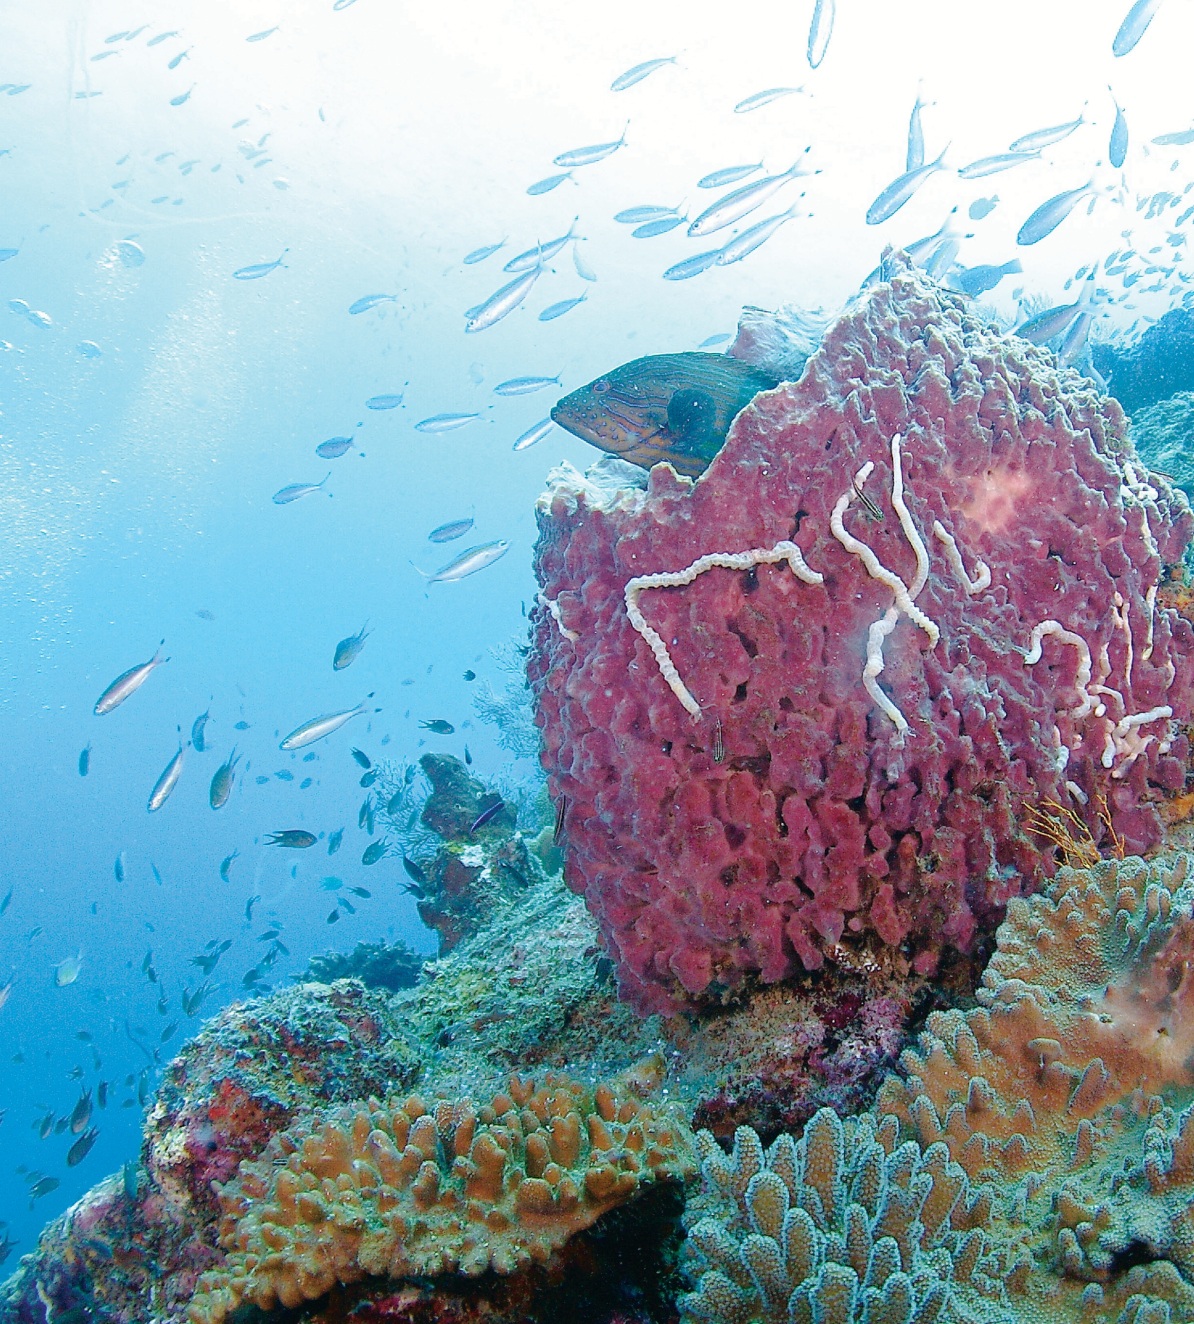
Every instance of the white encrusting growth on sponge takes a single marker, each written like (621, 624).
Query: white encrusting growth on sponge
(982, 571)
(1082, 680)
(782, 551)
(904, 594)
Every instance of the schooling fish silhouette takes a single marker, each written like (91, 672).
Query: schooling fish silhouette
(665, 407)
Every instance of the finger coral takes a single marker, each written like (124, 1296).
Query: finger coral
(843, 1225)
(427, 1188)
(1067, 1094)
(797, 709)
(1035, 1161)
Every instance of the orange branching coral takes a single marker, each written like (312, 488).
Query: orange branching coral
(1067, 1094)
(424, 1188)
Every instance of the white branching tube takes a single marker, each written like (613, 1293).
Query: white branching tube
(874, 567)
(911, 532)
(982, 571)
(1150, 601)
(553, 606)
(878, 632)
(1119, 614)
(904, 594)
(1082, 680)
(782, 551)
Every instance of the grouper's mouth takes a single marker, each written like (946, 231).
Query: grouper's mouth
(610, 430)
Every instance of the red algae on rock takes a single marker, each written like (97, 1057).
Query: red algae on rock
(799, 708)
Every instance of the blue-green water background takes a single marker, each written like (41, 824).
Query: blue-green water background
(135, 486)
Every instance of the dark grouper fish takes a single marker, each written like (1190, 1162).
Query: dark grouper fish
(673, 407)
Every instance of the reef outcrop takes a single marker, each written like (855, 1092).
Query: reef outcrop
(1033, 1160)
(420, 1189)
(798, 709)
(1157, 366)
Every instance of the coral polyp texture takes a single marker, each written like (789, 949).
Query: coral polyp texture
(1035, 1161)
(1066, 1096)
(428, 1188)
(843, 1225)
(798, 708)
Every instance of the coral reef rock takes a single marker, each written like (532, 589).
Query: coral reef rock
(842, 1225)
(421, 1189)
(1159, 364)
(1035, 1161)
(798, 707)
(1066, 1097)
(389, 965)
(1164, 436)
(472, 874)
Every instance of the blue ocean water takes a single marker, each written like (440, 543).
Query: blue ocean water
(153, 401)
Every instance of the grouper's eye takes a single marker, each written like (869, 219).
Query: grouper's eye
(600, 386)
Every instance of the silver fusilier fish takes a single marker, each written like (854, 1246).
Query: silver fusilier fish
(819, 32)
(453, 529)
(730, 175)
(126, 684)
(541, 186)
(1117, 147)
(1038, 138)
(550, 313)
(293, 491)
(1178, 139)
(167, 781)
(583, 270)
(1049, 215)
(640, 215)
(901, 189)
(221, 789)
(532, 257)
(1133, 27)
(318, 727)
(639, 72)
(1074, 339)
(661, 225)
(480, 254)
(259, 269)
(992, 165)
(1045, 325)
(524, 385)
(533, 434)
(368, 301)
(914, 157)
(444, 422)
(692, 266)
(741, 202)
(502, 302)
(468, 562)
(582, 156)
(742, 245)
(758, 100)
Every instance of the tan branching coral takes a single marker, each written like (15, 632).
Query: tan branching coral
(1067, 1094)
(425, 1188)
(844, 1226)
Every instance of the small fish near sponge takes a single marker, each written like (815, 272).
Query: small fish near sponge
(800, 707)
(424, 1188)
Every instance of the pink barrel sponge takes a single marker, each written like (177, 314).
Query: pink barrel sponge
(800, 707)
